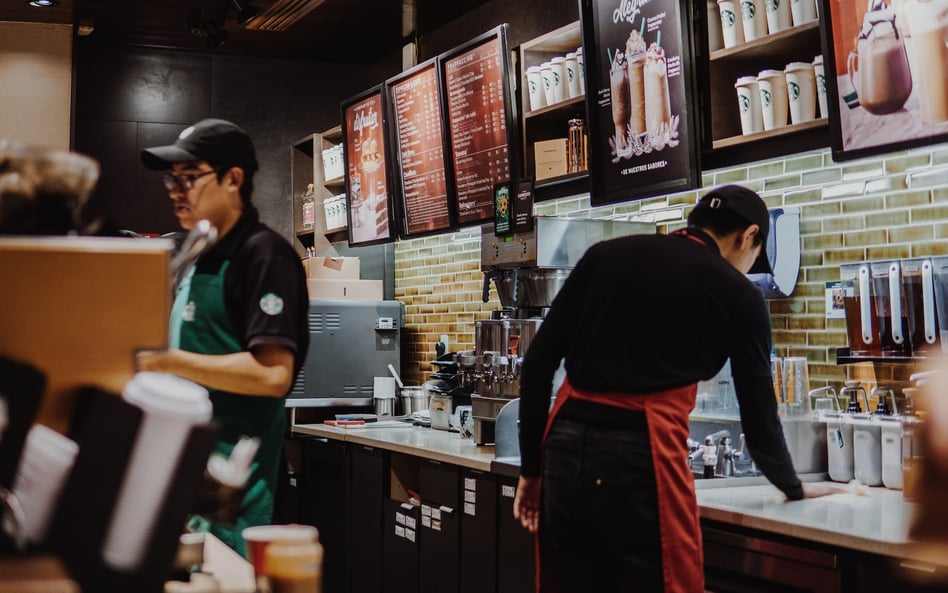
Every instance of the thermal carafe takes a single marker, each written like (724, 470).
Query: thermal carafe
(919, 288)
(888, 300)
(861, 324)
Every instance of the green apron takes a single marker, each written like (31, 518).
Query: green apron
(199, 323)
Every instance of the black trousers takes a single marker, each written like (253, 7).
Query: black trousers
(599, 526)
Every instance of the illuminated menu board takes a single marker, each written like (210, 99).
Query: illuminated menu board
(477, 97)
(367, 196)
(419, 133)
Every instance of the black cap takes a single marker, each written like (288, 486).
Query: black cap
(749, 206)
(217, 141)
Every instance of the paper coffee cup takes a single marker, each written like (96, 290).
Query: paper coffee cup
(748, 104)
(801, 91)
(535, 88)
(753, 19)
(715, 35)
(778, 15)
(732, 27)
(171, 407)
(581, 68)
(802, 11)
(546, 74)
(820, 84)
(558, 72)
(572, 75)
(257, 539)
(772, 85)
(44, 468)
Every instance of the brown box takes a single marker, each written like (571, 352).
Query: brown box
(332, 268)
(354, 290)
(550, 158)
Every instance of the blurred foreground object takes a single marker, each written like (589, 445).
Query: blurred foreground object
(930, 524)
(43, 191)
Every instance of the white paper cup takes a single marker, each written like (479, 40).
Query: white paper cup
(801, 91)
(820, 84)
(581, 68)
(257, 539)
(383, 387)
(171, 407)
(732, 27)
(778, 15)
(572, 75)
(753, 19)
(802, 11)
(715, 35)
(748, 104)
(45, 465)
(535, 88)
(558, 71)
(773, 98)
(546, 73)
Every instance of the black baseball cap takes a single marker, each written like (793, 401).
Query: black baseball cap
(749, 206)
(217, 141)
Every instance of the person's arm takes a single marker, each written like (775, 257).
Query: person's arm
(266, 371)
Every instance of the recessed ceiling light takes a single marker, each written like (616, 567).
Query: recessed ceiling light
(42, 3)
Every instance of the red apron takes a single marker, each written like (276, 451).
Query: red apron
(667, 416)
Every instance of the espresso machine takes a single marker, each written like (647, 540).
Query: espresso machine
(527, 269)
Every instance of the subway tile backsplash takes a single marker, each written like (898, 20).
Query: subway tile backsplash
(893, 205)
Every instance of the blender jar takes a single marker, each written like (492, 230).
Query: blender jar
(919, 288)
(940, 281)
(888, 302)
(861, 324)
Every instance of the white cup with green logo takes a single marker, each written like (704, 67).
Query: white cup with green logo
(772, 85)
(778, 15)
(732, 25)
(748, 104)
(820, 84)
(754, 19)
(801, 91)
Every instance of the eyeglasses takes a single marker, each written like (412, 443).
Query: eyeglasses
(184, 182)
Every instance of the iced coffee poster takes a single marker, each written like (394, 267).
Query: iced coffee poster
(367, 195)
(887, 81)
(638, 84)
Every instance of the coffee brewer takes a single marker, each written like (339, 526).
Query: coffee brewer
(527, 269)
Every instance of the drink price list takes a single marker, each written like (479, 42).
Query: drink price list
(421, 147)
(477, 118)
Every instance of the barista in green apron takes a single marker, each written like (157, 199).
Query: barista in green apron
(239, 320)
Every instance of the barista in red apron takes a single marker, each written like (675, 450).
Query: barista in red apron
(641, 319)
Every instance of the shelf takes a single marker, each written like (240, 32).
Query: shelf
(557, 110)
(337, 230)
(787, 41)
(742, 139)
(561, 186)
(333, 135)
(564, 39)
(337, 235)
(341, 180)
(844, 357)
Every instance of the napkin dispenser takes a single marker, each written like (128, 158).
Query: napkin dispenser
(783, 251)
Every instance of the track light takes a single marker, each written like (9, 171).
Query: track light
(213, 34)
(245, 11)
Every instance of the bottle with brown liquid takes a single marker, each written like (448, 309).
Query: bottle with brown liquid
(295, 567)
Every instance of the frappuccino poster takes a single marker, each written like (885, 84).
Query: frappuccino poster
(638, 88)
(887, 80)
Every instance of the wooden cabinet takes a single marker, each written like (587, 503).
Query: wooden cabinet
(306, 166)
(552, 121)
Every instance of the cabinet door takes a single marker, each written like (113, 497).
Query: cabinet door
(439, 551)
(369, 474)
(324, 503)
(516, 558)
(400, 547)
(478, 532)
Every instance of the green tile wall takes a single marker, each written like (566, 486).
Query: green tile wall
(893, 205)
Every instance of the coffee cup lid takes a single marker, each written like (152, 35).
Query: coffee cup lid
(558, 59)
(796, 66)
(769, 73)
(818, 59)
(533, 69)
(281, 533)
(570, 55)
(546, 64)
(166, 394)
(745, 80)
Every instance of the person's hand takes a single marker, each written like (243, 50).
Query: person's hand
(527, 503)
(816, 490)
(151, 360)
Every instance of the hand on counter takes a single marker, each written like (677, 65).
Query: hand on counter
(816, 490)
(527, 503)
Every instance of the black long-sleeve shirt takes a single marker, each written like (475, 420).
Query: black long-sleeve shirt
(648, 313)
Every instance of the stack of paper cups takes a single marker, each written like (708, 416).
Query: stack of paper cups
(801, 91)
(731, 22)
(748, 102)
(773, 98)
(715, 35)
(572, 75)
(546, 74)
(820, 83)
(558, 72)
(802, 11)
(778, 15)
(535, 88)
(753, 19)
(171, 407)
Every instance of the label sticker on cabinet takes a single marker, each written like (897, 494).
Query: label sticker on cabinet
(508, 491)
(839, 438)
(410, 535)
(425, 510)
(399, 531)
(470, 509)
(470, 496)
(410, 522)
(436, 514)
(426, 521)
(399, 518)
(470, 484)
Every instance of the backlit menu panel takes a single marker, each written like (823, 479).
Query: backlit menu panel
(419, 132)
(476, 103)
(367, 193)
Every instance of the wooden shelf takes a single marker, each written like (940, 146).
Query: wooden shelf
(337, 230)
(337, 235)
(558, 109)
(787, 41)
(565, 39)
(790, 129)
(335, 181)
(561, 186)
(333, 134)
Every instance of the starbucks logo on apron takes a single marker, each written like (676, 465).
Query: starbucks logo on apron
(271, 304)
(190, 311)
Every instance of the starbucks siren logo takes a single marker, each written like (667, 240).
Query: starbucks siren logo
(748, 10)
(728, 17)
(271, 304)
(745, 103)
(773, 5)
(794, 91)
(821, 84)
(533, 87)
(765, 97)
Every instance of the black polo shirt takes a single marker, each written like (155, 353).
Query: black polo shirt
(648, 313)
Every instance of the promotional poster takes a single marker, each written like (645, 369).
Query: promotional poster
(366, 183)
(638, 84)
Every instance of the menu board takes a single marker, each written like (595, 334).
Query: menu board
(479, 108)
(638, 61)
(885, 74)
(367, 196)
(421, 176)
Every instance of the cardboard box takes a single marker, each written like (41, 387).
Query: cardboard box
(550, 158)
(333, 268)
(354, 290)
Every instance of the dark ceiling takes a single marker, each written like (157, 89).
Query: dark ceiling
(348, 31)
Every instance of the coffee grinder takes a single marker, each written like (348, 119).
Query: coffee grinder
(527, 269)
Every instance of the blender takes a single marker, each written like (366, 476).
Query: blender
(861, 324)
(919, 288)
